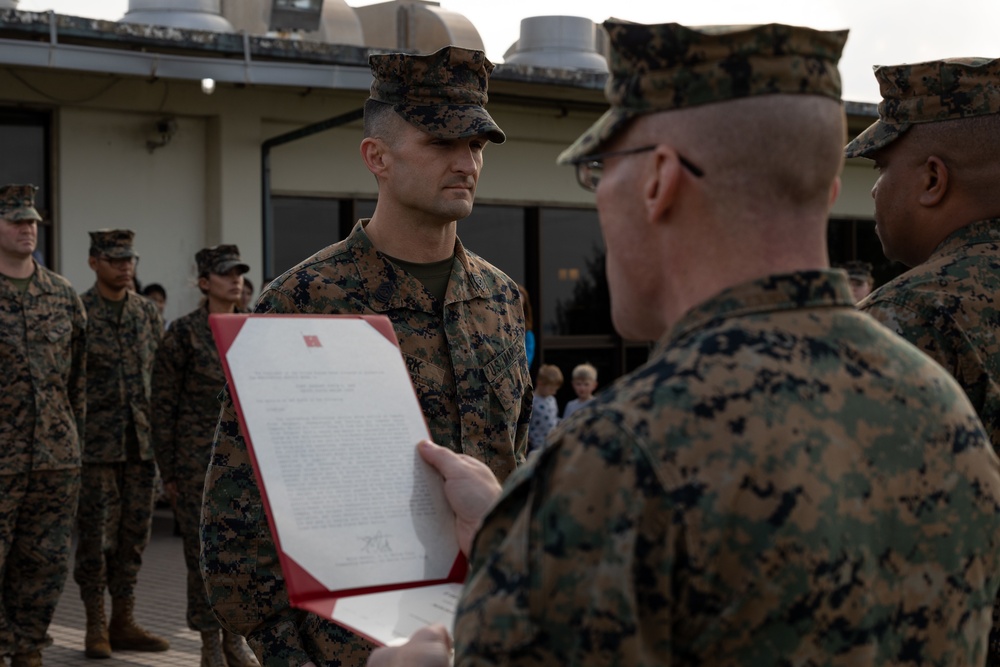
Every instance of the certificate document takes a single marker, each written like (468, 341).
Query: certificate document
(364, 533)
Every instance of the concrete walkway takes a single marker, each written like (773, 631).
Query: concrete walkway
(160, 607)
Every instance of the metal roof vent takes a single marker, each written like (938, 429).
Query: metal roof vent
(338, 24)
(560, 42)
(416, 25)
(186, 14)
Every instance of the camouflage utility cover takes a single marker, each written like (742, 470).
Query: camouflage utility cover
(927, 92)
(469, 369)
(443, 93)
(43, 366)
(766, 490)
(120, 356)
(857, 270)
(112, 243)
(670, 66)
(17, 202)
(219, 259)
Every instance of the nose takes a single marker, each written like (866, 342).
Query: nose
(465, 161)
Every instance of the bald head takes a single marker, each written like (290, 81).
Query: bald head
(761, 155)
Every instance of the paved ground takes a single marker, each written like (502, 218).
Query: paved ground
(160, 605)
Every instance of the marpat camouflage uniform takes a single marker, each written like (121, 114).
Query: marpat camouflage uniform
(471, 377)
(43, 369)
(116, 499)
(764, 491)
(784, 482)
(187, 383)
(946, 305)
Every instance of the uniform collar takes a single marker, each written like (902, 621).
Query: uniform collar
(981, 231)
(790, 291)
(390, 288)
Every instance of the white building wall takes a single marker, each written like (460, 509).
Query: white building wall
(107, 178)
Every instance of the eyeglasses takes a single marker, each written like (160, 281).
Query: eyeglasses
(590, 168)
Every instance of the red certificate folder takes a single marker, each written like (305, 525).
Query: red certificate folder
(304, 590)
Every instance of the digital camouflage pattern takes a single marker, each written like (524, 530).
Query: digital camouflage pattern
(670, 66)
(112, 243)
(927, 92)
(43, 366)
(116, 497)
(470, 373)
(17, 202)
(857, 270)
(219, 259)
(37, 511)
(114, 522)
(947, 307)
(120, 358)
(187, 383)
(766, 490)
(443, 93)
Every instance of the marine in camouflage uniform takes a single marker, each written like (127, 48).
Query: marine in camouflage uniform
(43, 371)
(187, 382)
(116, 499)
(784, 482)
(943, 115)
(462, 339)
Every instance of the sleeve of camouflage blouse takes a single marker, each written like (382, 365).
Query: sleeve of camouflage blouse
(560, 568)
(78, 373)
(239, 560)
(524, 416)
(168, 388)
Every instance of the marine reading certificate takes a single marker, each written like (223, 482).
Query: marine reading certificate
(364, 532)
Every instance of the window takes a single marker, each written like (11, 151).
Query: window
(302, 227)
(24, 141)
(573, 294)
(496, 233)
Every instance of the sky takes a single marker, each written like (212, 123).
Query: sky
(883, 32)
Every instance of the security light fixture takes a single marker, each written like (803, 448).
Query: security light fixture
(295, 15)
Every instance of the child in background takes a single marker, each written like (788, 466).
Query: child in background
(584, 383)
(544, 409)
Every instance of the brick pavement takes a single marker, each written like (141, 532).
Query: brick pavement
(160, 607)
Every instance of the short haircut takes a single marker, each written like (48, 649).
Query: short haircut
(550, 374)
(585, 372)
(380, 120)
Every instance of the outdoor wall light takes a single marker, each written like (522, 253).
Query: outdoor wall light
(288, 15)
(208, 86)
(165, 129)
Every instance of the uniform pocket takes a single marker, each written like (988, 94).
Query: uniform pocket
(505, 376)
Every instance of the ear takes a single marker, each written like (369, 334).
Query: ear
(662, 184)
(934, 181)
(92, 262)
(374, 155)
(834, 191)
(203, 284)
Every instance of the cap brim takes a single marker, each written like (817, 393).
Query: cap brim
(877, 136)
(596, 135)
(22, 214)
(226, 267)
(120, 254)
(453, 121)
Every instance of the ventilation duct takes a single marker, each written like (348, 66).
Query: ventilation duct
(186, 14)
(338, 23)
(415, 25)
(559, 42)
